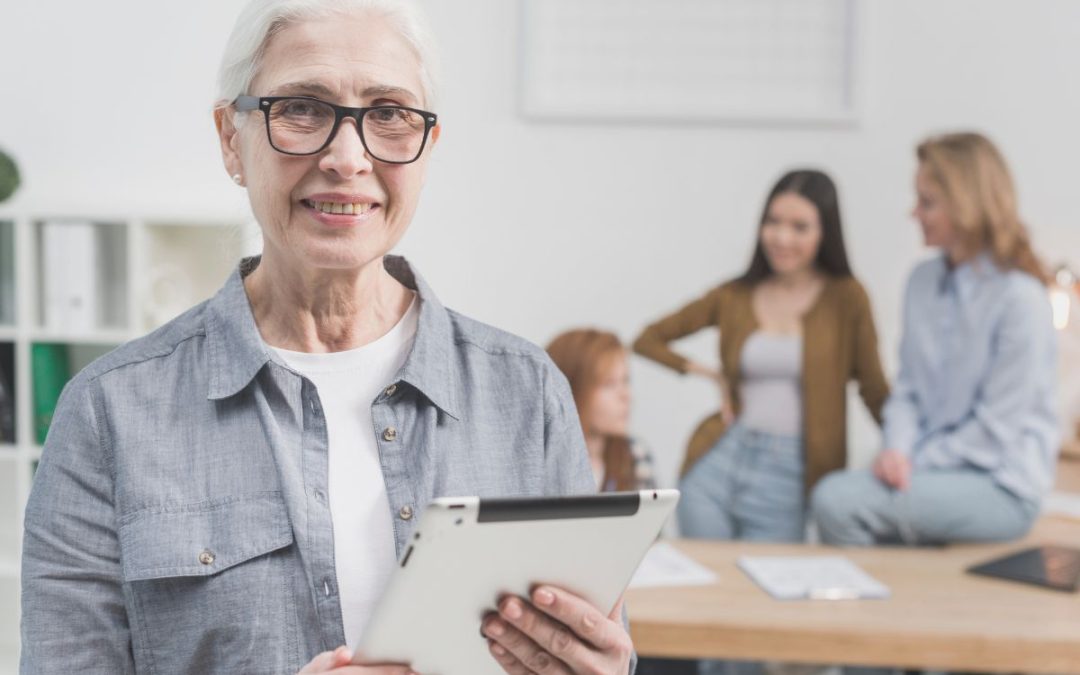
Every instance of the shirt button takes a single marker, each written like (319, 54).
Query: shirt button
(389, 391)
(405, 513)
(389, 433)
(206, 557)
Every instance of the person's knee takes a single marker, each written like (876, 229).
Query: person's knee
(833, 500)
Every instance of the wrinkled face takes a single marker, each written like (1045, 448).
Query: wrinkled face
(609, 404)
(791, 233)
(932, 212)
(355, 60)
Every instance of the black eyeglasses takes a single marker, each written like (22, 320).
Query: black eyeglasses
(303, 125)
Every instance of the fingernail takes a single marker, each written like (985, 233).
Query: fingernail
(544, 597)
(589, 620)
(512, 609)
(495, 628)
(498, 649)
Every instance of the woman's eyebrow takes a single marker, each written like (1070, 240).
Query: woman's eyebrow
(320, 90)
(307, 88)
(389, 90)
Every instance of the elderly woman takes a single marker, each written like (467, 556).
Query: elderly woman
(230, 493)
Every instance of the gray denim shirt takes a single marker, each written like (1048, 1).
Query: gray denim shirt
(179, 520)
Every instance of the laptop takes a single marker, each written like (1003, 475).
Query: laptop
(1055, 567)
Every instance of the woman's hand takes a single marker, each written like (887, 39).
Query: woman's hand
(557, 633)
(893, 468)
(341, 661)
(695, 368)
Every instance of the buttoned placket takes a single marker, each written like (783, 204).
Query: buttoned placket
(315, 452)
(390, 438)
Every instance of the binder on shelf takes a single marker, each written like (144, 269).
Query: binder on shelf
(7, 407)
(50, 370)
(69, 276)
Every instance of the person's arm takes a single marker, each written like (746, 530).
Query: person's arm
(901, 416)
(867, 371)
(73, 614)
(1020, 367)
(653, 343)
(557, 633)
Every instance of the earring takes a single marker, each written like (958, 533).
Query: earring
(238, 179)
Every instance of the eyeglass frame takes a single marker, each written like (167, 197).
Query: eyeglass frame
(251, 103)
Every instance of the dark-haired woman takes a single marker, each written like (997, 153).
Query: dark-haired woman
(794, 330)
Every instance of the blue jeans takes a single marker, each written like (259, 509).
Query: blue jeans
(748, 486)
(854, 508)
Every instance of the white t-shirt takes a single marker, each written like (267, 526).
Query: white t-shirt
(347, 383)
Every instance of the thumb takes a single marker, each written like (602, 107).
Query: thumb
(616, 612)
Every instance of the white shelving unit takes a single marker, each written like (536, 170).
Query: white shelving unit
(148, 270)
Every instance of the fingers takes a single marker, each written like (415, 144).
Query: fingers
(903, 473)
(582, 618)
(327, 661)
(342, 661)
(516, 652)
(894, 469)
(616, 611)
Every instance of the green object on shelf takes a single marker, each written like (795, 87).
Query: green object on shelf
(49, 366)
(9, 176)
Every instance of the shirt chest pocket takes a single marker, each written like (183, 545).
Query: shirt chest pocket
(210, 586)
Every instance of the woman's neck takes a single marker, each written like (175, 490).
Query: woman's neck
(595, 443)
(958, 255)
(797, 279)
(321, 311)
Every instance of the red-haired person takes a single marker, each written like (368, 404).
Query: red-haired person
(596, 364)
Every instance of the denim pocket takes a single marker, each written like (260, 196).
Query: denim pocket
(209, 586)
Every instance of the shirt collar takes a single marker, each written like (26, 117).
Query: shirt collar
(969, 275)
(237, 353)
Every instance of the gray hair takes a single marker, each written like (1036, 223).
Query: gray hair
(262, 19)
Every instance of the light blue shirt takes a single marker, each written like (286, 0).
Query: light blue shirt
(977, 387)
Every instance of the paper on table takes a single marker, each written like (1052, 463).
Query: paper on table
(664, 565)
(812, 578)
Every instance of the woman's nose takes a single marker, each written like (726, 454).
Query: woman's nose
(346, 154)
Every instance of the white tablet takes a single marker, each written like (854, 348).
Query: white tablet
(468, 552)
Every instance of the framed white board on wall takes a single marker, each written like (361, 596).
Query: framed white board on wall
(742, 61)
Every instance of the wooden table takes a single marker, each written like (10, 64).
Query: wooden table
(937, 618)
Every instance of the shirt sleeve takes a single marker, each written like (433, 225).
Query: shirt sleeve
(566, 458)
(1014, 377)
(73, 613)
(902, 420)
(873, 387)
(653, 343)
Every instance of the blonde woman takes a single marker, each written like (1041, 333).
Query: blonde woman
(970, 432)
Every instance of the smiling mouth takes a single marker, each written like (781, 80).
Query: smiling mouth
(340, 208)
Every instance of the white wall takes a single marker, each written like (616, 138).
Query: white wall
(537, 227)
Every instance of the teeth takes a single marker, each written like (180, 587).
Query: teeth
(349, 209)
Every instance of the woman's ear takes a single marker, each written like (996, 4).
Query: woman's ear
(229, 137)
